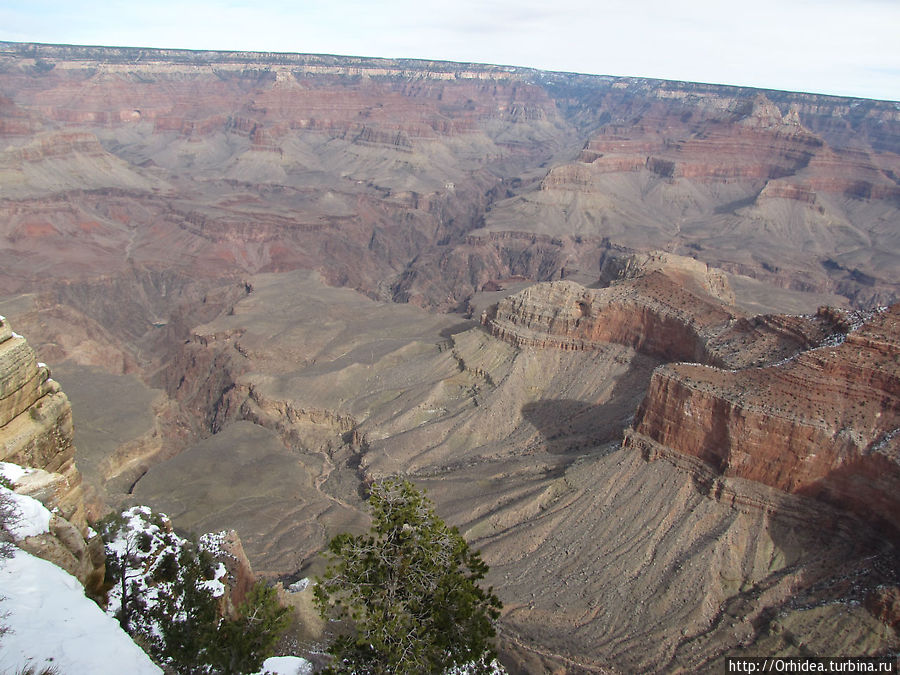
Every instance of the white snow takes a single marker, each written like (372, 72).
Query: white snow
(299, 586)
(33, 517)
(286, 665)
(11, 472)
(215, 585)
(51, 622)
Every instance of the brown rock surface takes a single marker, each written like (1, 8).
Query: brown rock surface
(824, 423)
(36, 433)
(36, 423)
(598, 554)
(664, 306)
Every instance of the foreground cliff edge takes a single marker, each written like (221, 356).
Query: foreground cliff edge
(36, 432)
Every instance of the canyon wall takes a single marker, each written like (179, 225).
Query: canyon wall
(824, 424)
(36, 434)
(664, 306)
(198, 222)
(806, 405)
(422, 181)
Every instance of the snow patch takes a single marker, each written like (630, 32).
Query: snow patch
(51, 622)
(299, 586)
(215, 585)
(32, 519)
(286, 665)
(12, 472)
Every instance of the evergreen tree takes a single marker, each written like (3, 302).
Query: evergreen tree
(9, 514)
(168, 591)
(410, 589)
(242, 644)
(185, 616)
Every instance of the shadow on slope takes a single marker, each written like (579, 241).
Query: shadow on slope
(577, 426)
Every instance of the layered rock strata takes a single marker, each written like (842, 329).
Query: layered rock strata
(661, 305)
(36, 432)
(824, 424)
(806, 405)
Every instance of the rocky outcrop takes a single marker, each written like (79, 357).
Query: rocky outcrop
(651, 307)
(36, 432)
(36, 422)
(226, 548)
(805, 405)
(662, 305)
(824, 424)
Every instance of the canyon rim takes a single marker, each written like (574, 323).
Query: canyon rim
(638, 339)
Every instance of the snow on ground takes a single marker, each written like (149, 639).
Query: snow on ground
(299, 586)
(286, 665)
(51, 622)
(33, 518)
(11, 472)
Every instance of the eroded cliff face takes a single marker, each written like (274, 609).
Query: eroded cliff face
(36, 432)
(422, 181)
(184, 218)
(823, 424)
(780, 436)
(664, 306)
(807, 405)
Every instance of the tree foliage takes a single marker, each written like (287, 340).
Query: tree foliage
(165, 592)
(243, 643)
(9, 514)
(410, 587)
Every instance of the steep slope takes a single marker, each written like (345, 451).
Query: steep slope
(36, 433)
(755, 183)
(52, 624)
(824, 424)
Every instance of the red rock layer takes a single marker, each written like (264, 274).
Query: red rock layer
(825, 424)
(715, 143)
(663, 306)
(644, 315)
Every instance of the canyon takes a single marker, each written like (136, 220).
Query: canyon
(638, 339)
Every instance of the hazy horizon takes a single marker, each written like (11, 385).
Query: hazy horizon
(824, 47)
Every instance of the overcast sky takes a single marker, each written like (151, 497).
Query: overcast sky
(845, 47)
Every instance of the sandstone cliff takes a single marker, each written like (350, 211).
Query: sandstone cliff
(36, 432)
(807, 405)
(665, 306)
(825, 424)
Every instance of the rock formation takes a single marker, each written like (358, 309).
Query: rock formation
(825, 423)
(222, 239)
(661, 305)
(807, 405)
(36, 432)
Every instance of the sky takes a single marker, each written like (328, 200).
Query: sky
(842, 47)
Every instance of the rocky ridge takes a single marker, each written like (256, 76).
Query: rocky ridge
(665, 306)
(807, 405)
(822, 424)
(520, 446)
(804, 440)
